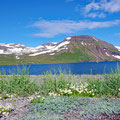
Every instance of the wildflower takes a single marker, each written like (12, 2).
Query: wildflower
(31, 98)
(72, 87)
(52, 94)
(38, 96)
(5, 110)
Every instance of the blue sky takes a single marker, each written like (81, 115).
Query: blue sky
(35, 22)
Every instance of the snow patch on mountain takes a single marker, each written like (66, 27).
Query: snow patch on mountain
(50, 49)
(118, 47)
(1, 51)
(84, 43)
(68, 38)
(17, 57)
(52, 54)
(107, 54)
(116, 56)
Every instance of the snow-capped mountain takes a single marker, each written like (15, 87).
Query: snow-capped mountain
(19, 49)
(118, 47)
(71, 49)
(13, 49)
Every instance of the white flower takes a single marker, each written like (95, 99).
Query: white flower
(31, 98)
(52, 94)
(72, 87)
(11, 96)
(38, 96)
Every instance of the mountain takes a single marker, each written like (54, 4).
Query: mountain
(72, 49)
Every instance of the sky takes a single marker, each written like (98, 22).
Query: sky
(36, 22)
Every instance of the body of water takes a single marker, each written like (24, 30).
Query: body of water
(75, 68)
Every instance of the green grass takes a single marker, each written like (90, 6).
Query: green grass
(17, 84)
(52, 83)
(63, 85)
(81, 54)
(109, 86)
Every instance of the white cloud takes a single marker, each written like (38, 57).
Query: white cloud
(56, 27)
(96, 14)
(110, 6)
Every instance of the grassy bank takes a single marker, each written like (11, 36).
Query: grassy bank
(61, 85)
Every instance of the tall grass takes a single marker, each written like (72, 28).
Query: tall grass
(18, 84)
(109, 86)
(62, 84)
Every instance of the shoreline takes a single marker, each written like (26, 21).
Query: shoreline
(62, 63)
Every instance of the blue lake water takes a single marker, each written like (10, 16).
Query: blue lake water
(75, 68)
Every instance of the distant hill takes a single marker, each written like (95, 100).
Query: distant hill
(72, 49)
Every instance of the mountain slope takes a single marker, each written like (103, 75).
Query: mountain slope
(71, 49)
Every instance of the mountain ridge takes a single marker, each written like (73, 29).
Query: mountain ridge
(79, 48)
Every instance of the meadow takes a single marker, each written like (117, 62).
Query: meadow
(60, 97)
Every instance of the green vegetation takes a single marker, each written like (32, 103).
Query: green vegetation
(52, 83)
(17, 84)
(108, 87)
(7, 60)
(59, 107)
(57, 95)
(81, 54)
(76, 56)
(63, 85)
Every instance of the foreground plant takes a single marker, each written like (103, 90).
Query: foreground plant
(78, 90)
(52, 83)
(17, 84)
(5, 110)
(75, 90)
(109, 86)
